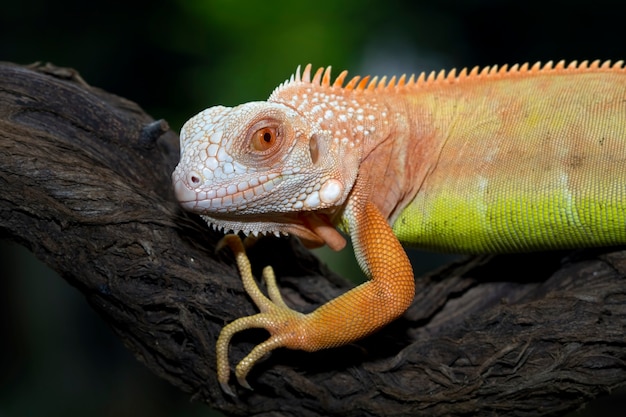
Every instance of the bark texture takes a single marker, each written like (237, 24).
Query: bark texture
(86, 186)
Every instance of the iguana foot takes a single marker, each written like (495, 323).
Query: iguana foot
(286, 326)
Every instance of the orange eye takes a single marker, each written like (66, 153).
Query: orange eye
(263, 139)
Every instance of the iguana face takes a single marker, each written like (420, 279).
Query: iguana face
(287, 165)
(260, 168)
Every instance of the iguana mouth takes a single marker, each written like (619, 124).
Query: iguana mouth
(224, 208)
(313, 228)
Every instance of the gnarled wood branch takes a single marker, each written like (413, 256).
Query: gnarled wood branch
(86, 186)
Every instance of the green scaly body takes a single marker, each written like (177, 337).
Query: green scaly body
(525, 163)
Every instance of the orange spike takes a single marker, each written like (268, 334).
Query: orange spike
(340, 79)
(317, 78)
(352, 83)
(326, 77)
(306, 75)
(373, 83)
(401, 81)
(363, 84)
(381, 84)
(451, 75)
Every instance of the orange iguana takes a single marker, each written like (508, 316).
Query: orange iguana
(493, 160)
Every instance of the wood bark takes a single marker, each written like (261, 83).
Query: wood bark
(86, 186)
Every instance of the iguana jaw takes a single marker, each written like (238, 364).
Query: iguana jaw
(312, 228)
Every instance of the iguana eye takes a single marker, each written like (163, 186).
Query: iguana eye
(264, 139)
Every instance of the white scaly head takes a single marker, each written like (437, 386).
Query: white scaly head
(282, 166)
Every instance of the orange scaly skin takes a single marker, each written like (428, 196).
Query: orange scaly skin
(498, 160)
(351, 313)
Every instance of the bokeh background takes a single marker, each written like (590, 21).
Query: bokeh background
(175, 58)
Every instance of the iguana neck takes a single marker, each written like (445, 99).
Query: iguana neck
(378, 129)
(352, 123)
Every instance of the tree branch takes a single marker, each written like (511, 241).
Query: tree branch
(85, 180)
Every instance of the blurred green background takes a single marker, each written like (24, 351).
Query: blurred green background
(175, 58)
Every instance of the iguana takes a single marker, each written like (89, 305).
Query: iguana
(494, 160)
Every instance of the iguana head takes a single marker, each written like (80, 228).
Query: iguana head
(282, 166)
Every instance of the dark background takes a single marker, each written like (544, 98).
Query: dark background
(57, 358)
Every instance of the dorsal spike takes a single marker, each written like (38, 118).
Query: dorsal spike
(382, 84)
(340, 79)
(326, 77)
(317, 78)
(323, 78)
(372, 83)
(306, 75)
(352, 83)
(295, 77)
(363, 84)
